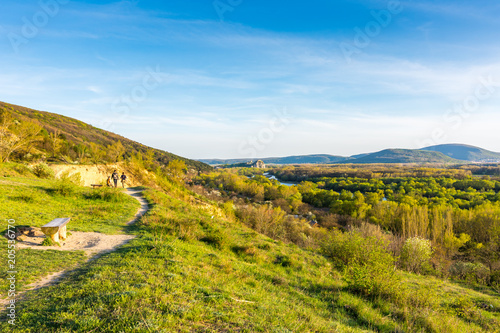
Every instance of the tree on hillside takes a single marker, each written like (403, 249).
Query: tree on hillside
(81, 150)
(16, 135)
(115, 151)
(176, 170)
(55, 142)
(96, 152)
(149, 160)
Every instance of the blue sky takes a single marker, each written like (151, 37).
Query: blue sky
(241, 78)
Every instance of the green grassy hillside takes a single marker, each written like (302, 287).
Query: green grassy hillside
(75, 140)
(194, 267)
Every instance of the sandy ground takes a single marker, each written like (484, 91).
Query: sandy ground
(90, 242)
(93, 243)
(93, 174)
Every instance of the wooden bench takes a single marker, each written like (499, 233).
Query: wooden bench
(95, 185)
(56, 229)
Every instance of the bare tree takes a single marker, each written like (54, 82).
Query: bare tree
(55, 142)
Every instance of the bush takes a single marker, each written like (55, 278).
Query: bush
(495, 280)
(42, 170)
(49, 242)
(108, 194)
(67, 184)
(471, 272)
(283, 260)
(416, 254)
(367, 264)
(216, 238)
(22, 169)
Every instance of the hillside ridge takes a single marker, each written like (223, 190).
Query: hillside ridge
(445, 153)
(77, 137)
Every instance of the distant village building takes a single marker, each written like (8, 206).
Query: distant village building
(259, 165)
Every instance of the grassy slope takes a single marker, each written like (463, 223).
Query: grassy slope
(189, 272)
(76, 131)
(33, 202)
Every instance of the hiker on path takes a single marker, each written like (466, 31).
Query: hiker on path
(115, 177)
(123, 178)
(108, 181)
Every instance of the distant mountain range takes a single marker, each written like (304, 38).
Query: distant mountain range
(447, 153)
(304, 159)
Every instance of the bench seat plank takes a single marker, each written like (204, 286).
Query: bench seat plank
(56, 228)
(57, 222)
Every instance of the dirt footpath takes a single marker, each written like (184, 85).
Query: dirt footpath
(90, 242)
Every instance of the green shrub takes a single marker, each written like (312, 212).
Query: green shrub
(284, 261)
(26, 197)
(471, 272)
(67, 184)
(109, 194)
(465, 308)
(416, 254)
(495, 280)
(42, 170)
(367, 264)
(22, 169)
(244, 249)
(49, 242)
(216, 238)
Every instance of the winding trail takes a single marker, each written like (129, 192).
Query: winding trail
(93, 254)
(137, 194)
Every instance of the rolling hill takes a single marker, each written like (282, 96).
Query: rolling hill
(447, 153)
(301, 159)
(76, 136)
(465, 152)
(403, 156)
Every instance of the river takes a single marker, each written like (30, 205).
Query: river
(273, 177)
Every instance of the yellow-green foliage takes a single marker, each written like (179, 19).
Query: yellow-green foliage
(171, 279)
(416, 254)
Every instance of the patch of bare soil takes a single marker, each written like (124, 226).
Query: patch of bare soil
(90, 242)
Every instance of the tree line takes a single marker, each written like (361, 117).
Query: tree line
(459, 217)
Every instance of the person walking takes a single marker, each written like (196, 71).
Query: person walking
(123, 179)
(114, 176)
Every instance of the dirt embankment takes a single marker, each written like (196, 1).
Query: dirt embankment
(94, 174)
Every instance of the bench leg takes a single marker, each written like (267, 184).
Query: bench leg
(62, 233)
(52, 232)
